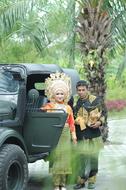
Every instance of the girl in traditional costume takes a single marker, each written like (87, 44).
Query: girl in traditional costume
(58, 90)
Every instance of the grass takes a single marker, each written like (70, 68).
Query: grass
(116, 93)
(117, 115)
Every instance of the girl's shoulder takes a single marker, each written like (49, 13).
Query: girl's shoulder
(69, 109)
(49, 105)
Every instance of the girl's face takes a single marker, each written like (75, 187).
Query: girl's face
(59, 96)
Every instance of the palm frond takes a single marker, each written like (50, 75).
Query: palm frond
(12, 13)
(117, 10)
(121, 67)
(35, 31)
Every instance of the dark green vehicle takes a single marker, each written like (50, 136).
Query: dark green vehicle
(26, 133)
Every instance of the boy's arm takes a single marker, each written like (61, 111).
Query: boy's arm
(101, 119)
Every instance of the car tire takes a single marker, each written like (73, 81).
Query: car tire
(13, 168)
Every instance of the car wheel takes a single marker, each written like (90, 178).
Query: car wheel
(13, 168)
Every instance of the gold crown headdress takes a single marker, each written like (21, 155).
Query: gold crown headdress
(58, 81)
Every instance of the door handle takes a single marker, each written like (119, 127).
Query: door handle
(58, 126)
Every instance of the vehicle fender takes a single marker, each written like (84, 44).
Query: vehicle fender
(10, 136)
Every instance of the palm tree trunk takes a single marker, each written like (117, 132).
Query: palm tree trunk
(94, 31)
(94, 66)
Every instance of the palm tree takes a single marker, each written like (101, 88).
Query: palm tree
(94, 29)
(100, 23)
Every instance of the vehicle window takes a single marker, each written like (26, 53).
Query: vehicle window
(7, 83)
(40, 86)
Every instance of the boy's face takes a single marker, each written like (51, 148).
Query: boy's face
(82, 91)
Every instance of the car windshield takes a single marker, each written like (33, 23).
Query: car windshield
(8, 85)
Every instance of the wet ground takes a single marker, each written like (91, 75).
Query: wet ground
(112, 164)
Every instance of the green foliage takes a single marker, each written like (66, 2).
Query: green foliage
(20, 20)
(16, 52)
(116, 89)
(57, 22)
(11, 12)
(40, 31)
(117, 115)
(42, 24)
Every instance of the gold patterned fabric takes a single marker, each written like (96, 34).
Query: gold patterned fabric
(85, 118)
(59, 180)
(62, 154)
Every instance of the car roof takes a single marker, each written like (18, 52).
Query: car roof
(38, 68)
(41, 68)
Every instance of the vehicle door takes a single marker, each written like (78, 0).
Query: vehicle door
(42, 130)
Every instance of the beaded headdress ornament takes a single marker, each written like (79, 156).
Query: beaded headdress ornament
(58, 81)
